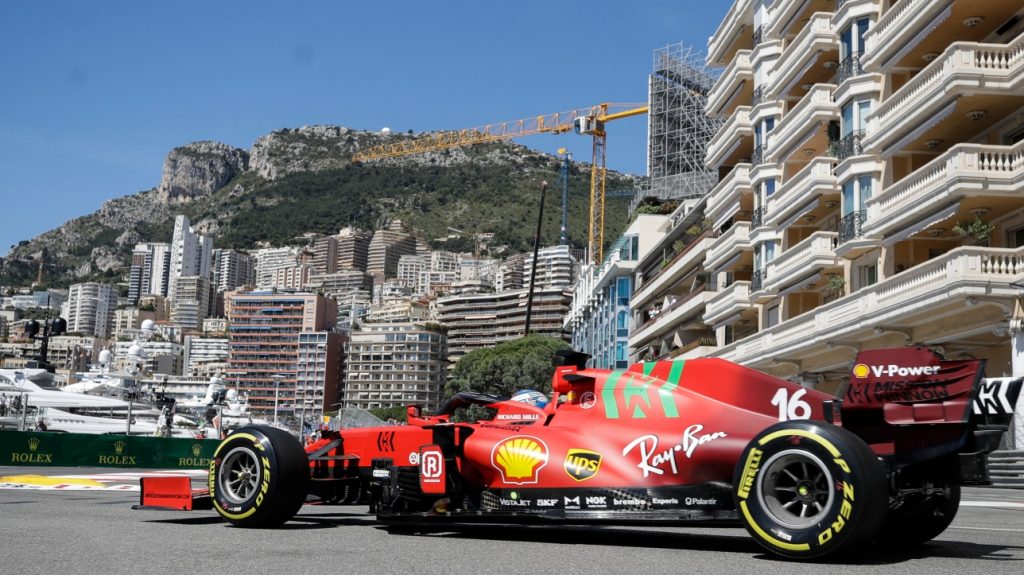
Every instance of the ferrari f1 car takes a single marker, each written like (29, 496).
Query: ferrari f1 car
(696, 442)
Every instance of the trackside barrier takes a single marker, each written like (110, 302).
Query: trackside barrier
(87, 450)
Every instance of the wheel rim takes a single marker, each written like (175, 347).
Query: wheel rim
(795, 489)
(239, 475)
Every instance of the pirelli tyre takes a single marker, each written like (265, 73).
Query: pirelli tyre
(259, 477)
(807, 490)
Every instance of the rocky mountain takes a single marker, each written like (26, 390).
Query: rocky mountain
(294, 181)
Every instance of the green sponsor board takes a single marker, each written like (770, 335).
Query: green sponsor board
(85, 450)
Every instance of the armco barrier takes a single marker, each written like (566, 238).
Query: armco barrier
(85, 450)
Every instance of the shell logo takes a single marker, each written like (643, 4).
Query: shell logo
(860, 371)
(519, 459)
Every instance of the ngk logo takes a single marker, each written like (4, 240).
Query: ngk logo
(860, 371)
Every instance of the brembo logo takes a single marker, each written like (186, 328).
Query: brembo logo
(860, 371)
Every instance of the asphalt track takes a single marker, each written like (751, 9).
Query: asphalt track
(54, 524)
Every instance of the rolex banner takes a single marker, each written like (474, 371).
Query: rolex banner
(85, 450)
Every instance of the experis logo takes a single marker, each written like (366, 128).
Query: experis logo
(861, 371)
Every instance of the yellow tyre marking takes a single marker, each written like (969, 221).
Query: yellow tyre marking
(215, 454)
(801, 433)
(764, 535)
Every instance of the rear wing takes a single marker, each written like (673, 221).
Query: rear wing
(912, 405)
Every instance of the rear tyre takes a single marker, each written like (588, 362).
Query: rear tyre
(808, 490)
(921, 521)
(259, 477)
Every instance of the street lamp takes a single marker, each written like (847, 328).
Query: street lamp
(277, 377)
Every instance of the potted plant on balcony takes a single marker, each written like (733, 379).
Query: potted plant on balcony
(977, 230)
(836, 283)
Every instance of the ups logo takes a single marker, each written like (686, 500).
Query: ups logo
(582, 464)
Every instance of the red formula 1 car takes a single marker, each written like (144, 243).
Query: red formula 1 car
(700, 442)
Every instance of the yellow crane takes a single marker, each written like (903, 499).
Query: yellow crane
(587, 121)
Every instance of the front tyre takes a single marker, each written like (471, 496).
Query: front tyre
(808, 490)
(259, 477)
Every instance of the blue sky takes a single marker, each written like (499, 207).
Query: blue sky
(94, 94)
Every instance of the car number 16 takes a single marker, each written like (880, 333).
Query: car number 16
(791, 407)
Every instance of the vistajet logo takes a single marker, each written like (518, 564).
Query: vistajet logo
(860, 371)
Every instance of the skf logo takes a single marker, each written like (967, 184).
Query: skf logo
(860, 371)
(196, 449)
(520, 459)
(33, 444)
(582, 464)
(119, 447)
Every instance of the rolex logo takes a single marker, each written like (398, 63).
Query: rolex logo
(196, 449)
(33, 443)
(119, 447)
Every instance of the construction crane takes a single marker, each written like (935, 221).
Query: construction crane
(586, 121)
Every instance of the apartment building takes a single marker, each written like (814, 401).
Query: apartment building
(481, 320)
(128, 320)
(395, 364)
(191, 253)
(264, 329)
(191, 303)
(150, 270)
(319, 374)
(233, 269)
(90, 309)
(160, 356)
(871, 191)
(200, 353)
(269, 260)
(600, 318)
(386, 247)
(352, 249)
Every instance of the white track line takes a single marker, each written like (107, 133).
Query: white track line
(999, 504)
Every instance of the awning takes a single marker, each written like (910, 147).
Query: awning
(799, 213)
(727, 321)
(922, 224)
(799, 285)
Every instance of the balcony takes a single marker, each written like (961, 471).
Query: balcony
(805, 127)
(728, 248)
(674, 270)
(757, 218)
(728, 302)
(735, 87)
(785, 17)
(850, 145)
(984, 82)
(910, 29)
(726, 198)
(849, 67)
(795, 196)
(962, 174)
(805, 59)
(733, 33)
(851, 226)
(685, 310)
(732, 141)
(803, 262)
(931, 291)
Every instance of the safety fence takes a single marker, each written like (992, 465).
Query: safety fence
(39, 448)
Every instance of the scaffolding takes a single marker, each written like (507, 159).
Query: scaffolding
(678, 127)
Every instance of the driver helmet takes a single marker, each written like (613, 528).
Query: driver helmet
(534, 398)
